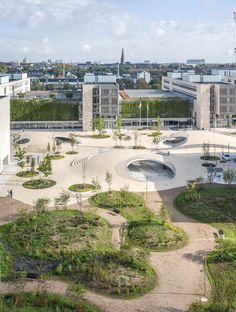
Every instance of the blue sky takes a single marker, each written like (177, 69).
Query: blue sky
(80, 30)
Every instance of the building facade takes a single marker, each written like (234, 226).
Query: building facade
(214, 103)
(14, 84)
(100, 100)
(4, 131)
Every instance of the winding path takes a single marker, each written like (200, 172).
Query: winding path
(180, 273)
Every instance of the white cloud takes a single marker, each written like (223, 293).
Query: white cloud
(25, 49)
(36, 18)
(86, 47)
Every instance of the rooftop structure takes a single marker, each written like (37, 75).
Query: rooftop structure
(195, 62)
(99, 78)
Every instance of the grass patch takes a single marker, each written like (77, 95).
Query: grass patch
(72, 153)
(83, 187)
(27, 174)
(56, 157)
(144, 230)
(31, 302)
(217, 207)
(39, 184)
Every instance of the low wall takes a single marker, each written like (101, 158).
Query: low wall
(45, 125)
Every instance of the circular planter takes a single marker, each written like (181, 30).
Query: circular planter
(209, 165)
(82, 187)
(210, 158)
(71, 153)
(23, 141)
(139, 147)
(56, 157)
(39, 184)
(27, 174)
(98, 136)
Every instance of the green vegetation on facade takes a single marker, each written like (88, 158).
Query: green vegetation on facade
(168, 108)
(44, 110)
(216, 205)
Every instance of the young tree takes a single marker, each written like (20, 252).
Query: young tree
(96, 184)
(108, 179)
(72, 140)
(15, 139)
(93, 123)
(32, 164)
(229, 176)
(46, 166)
(62, 200)
(49, 148)
(54, 148)
(206, 151)
(136, 138)
(28, 160)
(41, 204)
(20, 156)
(58, 145)
(100, 125)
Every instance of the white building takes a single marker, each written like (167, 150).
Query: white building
(144, 75)
(13, 84)
(4, 131)
(214, 102)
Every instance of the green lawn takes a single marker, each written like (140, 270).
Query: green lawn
(29, 302)
(144, 230)
(217, 206)
(44, 110)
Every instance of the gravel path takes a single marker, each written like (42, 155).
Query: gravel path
(180, 273)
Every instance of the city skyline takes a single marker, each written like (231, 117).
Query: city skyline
(82, 30)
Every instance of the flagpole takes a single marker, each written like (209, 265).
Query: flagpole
(140, 115)
(147, 114)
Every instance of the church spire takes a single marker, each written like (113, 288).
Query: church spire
(122, 59)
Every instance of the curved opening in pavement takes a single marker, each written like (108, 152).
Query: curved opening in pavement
(65, 139)
(178, 140)
(23, 141)
(153, 170)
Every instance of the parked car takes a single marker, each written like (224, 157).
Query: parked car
(226, 157)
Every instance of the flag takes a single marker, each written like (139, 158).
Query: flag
(140, 105)
(147, 107)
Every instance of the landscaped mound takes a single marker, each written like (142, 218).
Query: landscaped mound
(216, 206)
(144, 230)
(39, 184)
(30, 302)
(56, 157)
(76, 247)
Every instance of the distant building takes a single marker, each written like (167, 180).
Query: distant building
(4, 131)
(214, 102)
(13, 84)
(100, 100)
(122, 59)
(144, 75)
(99, 78)
(195, 62)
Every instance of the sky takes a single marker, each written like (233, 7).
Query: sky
(97, 30)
